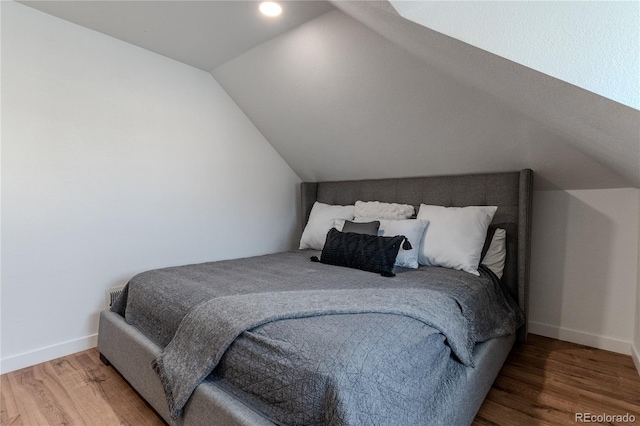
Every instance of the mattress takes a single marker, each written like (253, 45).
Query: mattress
(262, 368)
(132, 353)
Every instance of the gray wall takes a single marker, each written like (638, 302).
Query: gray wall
(339, 101)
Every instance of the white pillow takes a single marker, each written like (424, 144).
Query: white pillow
(320, 221)
(455, 236)
(339, 224)
(496, 254)
(412, 229)
(375, 210)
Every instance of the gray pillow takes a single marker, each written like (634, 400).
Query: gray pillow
(366, 228)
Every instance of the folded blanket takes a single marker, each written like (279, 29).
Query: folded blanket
(208, 329)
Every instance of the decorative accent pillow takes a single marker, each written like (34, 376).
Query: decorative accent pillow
(496, 254)
(320, 221)
(454, 236)
(365, 252)
(413, 230)
(374, 210)
(367, 228)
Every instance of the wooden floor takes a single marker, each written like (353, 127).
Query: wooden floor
(544, 382)
(547, 381)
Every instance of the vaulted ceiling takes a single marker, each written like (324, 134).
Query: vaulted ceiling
(590, 44)
(203, 34)
(360, 92)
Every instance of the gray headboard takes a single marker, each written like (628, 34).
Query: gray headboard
(510, 191)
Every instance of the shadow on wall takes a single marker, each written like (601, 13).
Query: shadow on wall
(561, 164)
(571, 264)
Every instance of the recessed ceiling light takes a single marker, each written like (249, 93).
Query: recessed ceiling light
(270, 8)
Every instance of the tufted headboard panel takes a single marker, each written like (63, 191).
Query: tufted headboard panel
(510, 191)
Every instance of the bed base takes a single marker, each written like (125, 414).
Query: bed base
(131, 353)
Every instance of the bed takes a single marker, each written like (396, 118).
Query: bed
(136, 351)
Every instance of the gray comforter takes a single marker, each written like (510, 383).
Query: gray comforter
(279, 332)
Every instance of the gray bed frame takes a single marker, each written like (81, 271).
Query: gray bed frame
(131, 352)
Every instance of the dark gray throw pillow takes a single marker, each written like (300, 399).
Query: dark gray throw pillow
(366, 252)
(366, 228)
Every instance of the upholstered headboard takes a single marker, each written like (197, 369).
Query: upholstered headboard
(511, 192)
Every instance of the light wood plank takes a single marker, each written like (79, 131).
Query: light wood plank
(544, 382)
(75, 390)
(549, 381)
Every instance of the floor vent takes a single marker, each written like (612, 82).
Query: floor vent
(112, 295)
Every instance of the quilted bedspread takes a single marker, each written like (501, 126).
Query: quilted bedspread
(308, 343)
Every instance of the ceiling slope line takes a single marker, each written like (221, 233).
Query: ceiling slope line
(594, 125)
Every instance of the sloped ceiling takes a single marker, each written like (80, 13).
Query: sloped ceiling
(367, 94)
(203, 34)
(590, 44)
(360, 92)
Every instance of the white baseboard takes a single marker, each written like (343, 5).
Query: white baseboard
(27, 359)
(581, 338)
(48, 353)
(636, 357)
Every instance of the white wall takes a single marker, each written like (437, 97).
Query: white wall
(574, 139)
(116, 160)
(591, 44)
(636, 339)
(591, 126)
(339, 101)
(584, 266)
